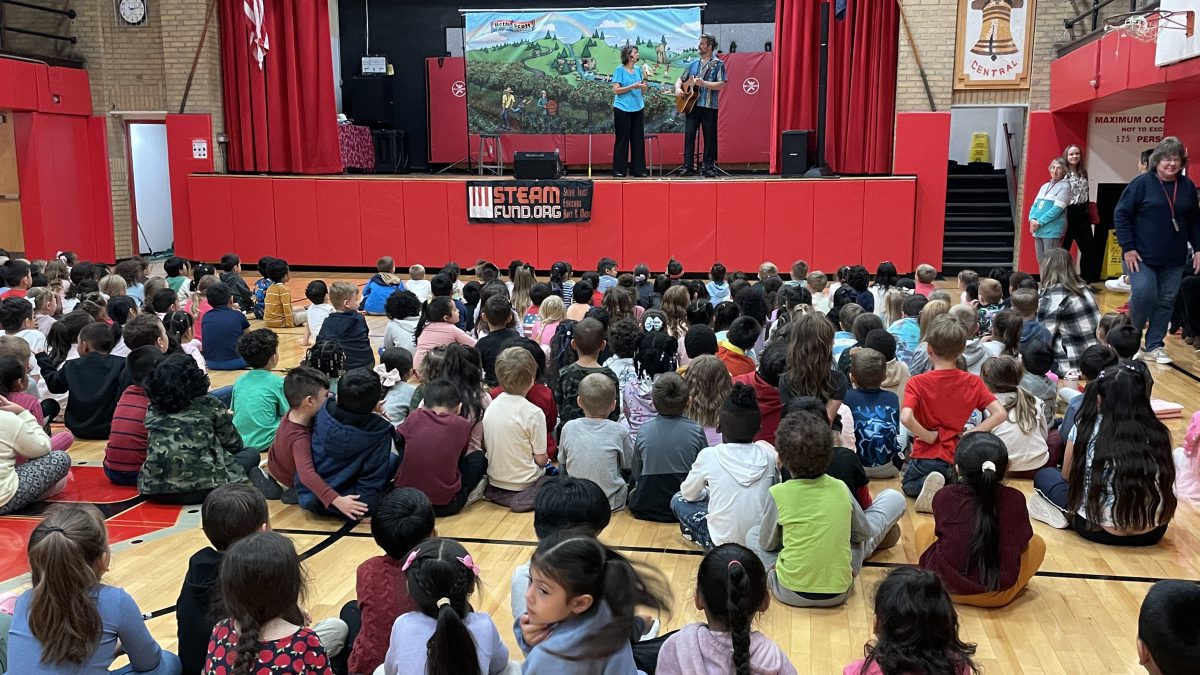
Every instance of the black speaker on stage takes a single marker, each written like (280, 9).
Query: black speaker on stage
(369, 99)
(537, 165)
(798, 152)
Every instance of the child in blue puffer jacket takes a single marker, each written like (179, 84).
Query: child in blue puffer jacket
(380, 287)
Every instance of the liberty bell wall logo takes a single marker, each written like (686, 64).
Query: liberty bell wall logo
(995, 35)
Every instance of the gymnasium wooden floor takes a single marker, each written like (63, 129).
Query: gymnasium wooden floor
(1078, 615)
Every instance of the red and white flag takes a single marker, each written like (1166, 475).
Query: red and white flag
(259, 41)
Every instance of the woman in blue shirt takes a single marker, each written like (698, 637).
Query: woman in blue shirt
(628, 116)
(1047, 217)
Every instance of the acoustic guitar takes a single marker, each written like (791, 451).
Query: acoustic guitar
(689, 94)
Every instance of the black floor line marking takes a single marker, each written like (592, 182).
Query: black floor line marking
(1187, 373)
(698, 552)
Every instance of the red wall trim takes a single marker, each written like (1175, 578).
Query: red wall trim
(923, 150)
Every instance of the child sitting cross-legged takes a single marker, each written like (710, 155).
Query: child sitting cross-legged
(223, 326)
(395, 365)
(231, 275)
(726, 490)
(94, 381)
(540, 394)
(731, 589)
(404, 312)
(347, 327)
(825, 535)
(588, 343)
(514, 433)
(382, 286)
(594, 447)
(1024, 432)
(981, 544)
(229, 513)
(127, 442)
(436, 459)
(739, 339)
(876, 415)
(277, 302)
(258, 399)
(665, 450)
(192, 446)
(353, 448)
(402, 520)
(317, 293)
(498, 313)
(937, 404)
(844, 464)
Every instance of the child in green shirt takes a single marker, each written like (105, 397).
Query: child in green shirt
(258, 400)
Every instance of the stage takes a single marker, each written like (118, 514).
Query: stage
(350, 221)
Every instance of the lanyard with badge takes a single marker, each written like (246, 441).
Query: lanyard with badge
(1171, 201)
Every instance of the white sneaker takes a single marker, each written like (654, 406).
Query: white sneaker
(1118, 285)
(1045, 511)
(1158, 356)
(933, 482)
(476, 493)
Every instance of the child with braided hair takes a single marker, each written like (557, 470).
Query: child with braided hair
(731, 588)
(446, 636)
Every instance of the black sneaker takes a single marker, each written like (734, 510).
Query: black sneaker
(265, 484)
(290, 496)
(687, 173)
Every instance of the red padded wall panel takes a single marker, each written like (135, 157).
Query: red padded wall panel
(922, 146)
(887, 231)
(788, 210)
(644, 214)
(556, 242)
(471, 241)
(381, 208)
(741, 226)
(296, 237)
(426, 237)
(692, 237)
(339, 229)
(181, 131)
(837, 223)
(607, 234)
(253, 212)
(212, 211)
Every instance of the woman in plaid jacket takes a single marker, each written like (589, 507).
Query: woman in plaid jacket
(1067, 309)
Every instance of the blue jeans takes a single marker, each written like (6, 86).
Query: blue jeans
(918, 469)
(168, 664)
(693, 516)
(1052, 485)
(223, 394)
(1152, 299)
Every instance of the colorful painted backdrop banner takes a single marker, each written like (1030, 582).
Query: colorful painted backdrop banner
(550, 72)
(995, 44)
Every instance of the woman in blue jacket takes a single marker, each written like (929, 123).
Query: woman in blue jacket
(1156, 219)
(1048, 215)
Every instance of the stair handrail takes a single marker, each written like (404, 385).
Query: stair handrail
(1010, 174)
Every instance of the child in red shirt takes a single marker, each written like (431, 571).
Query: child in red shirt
(126, 449)
(936, 406)
(436, 459)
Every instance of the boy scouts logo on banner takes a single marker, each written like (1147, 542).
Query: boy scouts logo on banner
(529, 201)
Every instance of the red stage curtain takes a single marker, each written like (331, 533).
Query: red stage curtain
(863, 52)
(281, 118)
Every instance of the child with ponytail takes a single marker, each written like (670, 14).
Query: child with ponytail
(180, 327)
(260, 586)
(70, 622)
(981, 544)
(437, 327)
(446, 636)
(579, 607)
(916, 630)
(1024, 432)
(731, 589)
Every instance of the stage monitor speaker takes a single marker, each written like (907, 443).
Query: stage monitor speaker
(537, 165)
(370, 99)
(798, 152)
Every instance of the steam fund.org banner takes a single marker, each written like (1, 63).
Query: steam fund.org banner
(551, 72)
(529, 201)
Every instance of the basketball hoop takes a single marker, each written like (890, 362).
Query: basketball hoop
(1145, 26)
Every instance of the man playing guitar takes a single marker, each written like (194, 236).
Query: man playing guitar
(704, 78)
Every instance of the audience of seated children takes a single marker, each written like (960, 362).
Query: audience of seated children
(261, 583)
(551, 313)
(1038, 358)
(594, 447)
(498, 313)
(395, 365)
(1005, 336)
(353, 448)
(403, 519)
(624, 338)
(726, 490)
(1168, 643)
(818, 286)
(418, 284)
(907, 330)
(347, 327)
(876, 415)
(579, 608)
(514, 432)
(1024, 433)
(70, 621)
(731, 589)
(231, 276)
(436, 458)
(380, 287)
(1126, 341)
(655, 356)
(916, 629)
(229, 514)
(863, 324)
(437, 327)
(192, 446)
(588, 342)
(742, 335)
(258, 402)
(223, 327)
(179, 276)
(980, 544)
(822, 534)
(581, 301)
(277, 301)
(968, 279)
(94, 381)
(443, 633)
(317, 292)
(1025, 302)
(164, 300)
(127, 440)
(765, 380)
(1117, 430)
(936, 406)
(403, 312)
